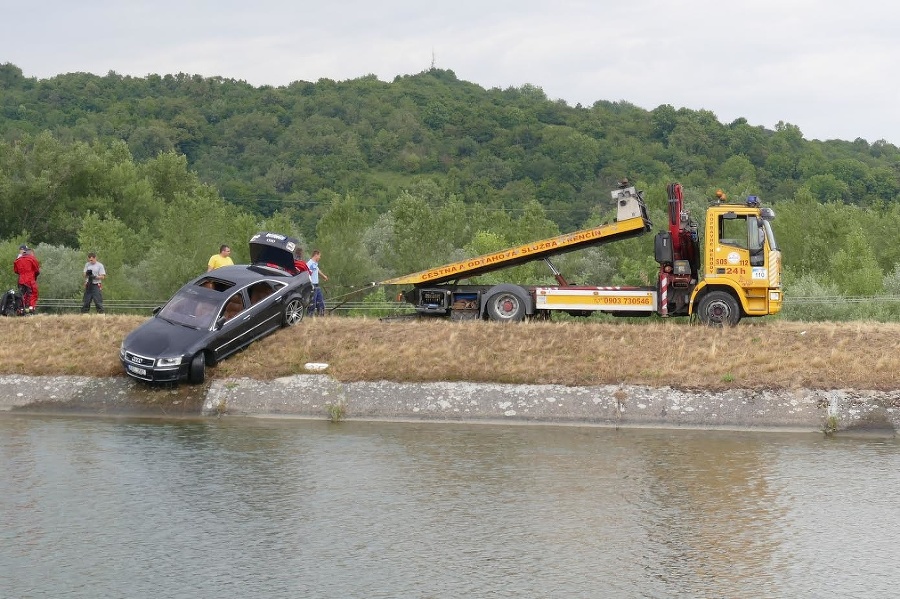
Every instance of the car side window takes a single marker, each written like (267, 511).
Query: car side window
(233, 307)
(260, 291)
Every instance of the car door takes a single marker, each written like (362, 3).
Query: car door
(232, 325)
(268, 304)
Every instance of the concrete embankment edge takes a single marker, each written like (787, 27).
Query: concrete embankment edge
(322, 397)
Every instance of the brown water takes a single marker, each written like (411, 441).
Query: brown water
(288, 508)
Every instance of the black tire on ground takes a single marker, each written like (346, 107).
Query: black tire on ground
(506, 306)
(197, 372)
(294, 311)
(719, 309)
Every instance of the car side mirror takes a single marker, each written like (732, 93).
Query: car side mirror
(220, 322)
(156, 310)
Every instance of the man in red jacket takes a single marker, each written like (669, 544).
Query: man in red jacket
(28, 268)
(299, 263)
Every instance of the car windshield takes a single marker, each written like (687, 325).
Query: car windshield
(192, 308)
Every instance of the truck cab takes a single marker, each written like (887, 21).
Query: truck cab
(741, 264)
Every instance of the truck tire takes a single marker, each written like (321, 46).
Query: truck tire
(719, 309)
(506, 306)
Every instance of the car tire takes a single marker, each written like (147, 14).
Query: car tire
(294, 311)
(197, 372)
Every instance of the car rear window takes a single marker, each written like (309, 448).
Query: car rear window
(260, 291)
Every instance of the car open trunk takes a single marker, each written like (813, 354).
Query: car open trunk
(273, 248)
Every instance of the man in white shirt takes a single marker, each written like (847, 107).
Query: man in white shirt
(318, 303)
(94, 273)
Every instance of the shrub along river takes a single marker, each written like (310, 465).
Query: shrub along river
(266, 508)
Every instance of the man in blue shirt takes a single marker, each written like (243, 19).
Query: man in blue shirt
(318, 304)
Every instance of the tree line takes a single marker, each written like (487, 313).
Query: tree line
(392, 177)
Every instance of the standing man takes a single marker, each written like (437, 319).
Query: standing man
(28, 268)
(94, 273)
(223, 258)
(318, 303)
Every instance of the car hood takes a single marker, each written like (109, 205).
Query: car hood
(273, 248)
(158, 337)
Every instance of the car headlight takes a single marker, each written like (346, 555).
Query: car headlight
(169, 361)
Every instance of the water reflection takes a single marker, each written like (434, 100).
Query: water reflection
(711, 513)
(275, 508)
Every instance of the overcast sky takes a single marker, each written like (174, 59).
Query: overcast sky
(826, 66)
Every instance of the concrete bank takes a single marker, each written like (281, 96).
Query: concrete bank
(320, 396)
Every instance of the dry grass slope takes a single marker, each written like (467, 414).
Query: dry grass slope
(756, 354)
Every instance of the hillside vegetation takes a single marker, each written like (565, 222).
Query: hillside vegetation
(387, 178)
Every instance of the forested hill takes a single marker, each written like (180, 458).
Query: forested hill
(270, 148)
(398, 176)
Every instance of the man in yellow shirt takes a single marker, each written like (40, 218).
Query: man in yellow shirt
(223, 258)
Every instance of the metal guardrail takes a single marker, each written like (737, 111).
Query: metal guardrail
(144, 306)
(76, 303)
(58, 305)
(390, 307)
(839, 299)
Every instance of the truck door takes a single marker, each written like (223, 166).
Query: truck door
(757, 241)
(740, 252)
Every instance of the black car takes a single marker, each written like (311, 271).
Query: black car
(219, 313)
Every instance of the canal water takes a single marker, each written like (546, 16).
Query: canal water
(293, 508)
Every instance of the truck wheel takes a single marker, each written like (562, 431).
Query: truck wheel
(294, 311)
(197, 372)
(718, 309)
(506, 306)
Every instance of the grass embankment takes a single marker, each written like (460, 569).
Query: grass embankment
(756, 354)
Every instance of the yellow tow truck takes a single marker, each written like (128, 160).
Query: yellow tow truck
(741, 273)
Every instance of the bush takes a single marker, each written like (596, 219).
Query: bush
(809, 299)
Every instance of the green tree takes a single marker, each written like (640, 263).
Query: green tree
(147, 142)
(181, 252)
(61, 271)
(339, 235)
(575, 156)
(858, 178)
(854, 267)
(828, 188)
(108, 237)
(416, 237)
(738, 173)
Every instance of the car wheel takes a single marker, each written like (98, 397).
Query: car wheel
(293, 311)
(197, 373)
(719, 309)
